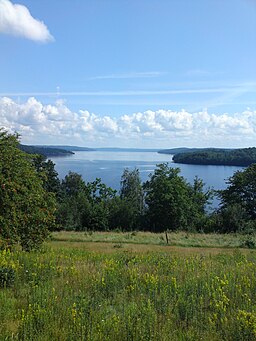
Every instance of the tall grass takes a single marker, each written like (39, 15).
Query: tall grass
(177, 238)
(71, 294)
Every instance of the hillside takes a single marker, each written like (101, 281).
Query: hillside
(68, 148)
(236, 157)
(45, 151)
(182, 150)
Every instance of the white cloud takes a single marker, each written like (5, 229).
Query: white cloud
(56, 123)
(16, 20)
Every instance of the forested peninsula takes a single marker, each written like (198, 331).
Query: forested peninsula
(234, 157)
(45, 151)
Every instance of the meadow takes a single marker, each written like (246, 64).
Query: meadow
(133, 286)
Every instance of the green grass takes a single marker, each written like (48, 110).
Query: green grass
(183, 239)
(66, 292)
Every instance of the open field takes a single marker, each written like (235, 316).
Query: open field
(113, 290)
(180, 239)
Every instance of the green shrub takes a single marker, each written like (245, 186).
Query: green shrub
(248, 242)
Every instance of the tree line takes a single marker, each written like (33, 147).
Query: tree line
(233, 157)
(34, 201)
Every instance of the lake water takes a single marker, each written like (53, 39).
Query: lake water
(109, 166)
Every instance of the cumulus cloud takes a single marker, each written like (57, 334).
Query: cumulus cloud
(16, 20)
(56, 123)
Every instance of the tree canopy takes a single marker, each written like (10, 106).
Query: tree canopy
(173, 203)
(26, 208)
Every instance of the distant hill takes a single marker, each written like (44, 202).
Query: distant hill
(68, 148)
(175, 151)
(229, 157)
(45, 151)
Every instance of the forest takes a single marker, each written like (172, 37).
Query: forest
(45, 150)
(233, 157)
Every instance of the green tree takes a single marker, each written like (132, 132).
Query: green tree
(237, 210)
(131, 188)
(73, 205)
(26, 208)
(131, 206)
(241, 190)
(200, 198)
(101, 199)
(172, 203)
(48, 174)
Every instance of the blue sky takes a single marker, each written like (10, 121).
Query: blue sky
(144, 73)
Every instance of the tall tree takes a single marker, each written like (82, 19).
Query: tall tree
(26, 208)
(73, 205)
(172, 203)
(131, 188)
(237, 210)
(241, 190)
(131, 207)
(46, 170)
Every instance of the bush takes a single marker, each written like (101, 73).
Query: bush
(248, 242)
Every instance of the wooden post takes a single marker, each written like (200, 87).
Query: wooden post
(166, 236)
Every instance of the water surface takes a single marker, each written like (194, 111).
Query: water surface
(109, 166)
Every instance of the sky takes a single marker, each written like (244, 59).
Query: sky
(129, 73)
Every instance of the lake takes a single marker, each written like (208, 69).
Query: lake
(109, 166)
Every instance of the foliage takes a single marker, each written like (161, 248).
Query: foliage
(172, 203)
(73, 205)
(131, 188)
(237, 210)
(131, 205)
(44, 151)
(84, 206)
(241, 190)
(26, 209)
(48, 174)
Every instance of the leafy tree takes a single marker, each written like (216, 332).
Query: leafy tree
(101, 198)
(237, 210)
(74, 205)
(47, 173)
(232, 218)
(173, 203)
(131, 206)
(73, 184)
(84, 206)
(241, 190)
(26, 209)
(131, 188)
(200, 198)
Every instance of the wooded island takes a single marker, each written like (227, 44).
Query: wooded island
(233, 157)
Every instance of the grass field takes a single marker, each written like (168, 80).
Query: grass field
(183, 239)
(102, 287)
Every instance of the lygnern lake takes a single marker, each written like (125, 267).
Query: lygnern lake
(109, 166)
